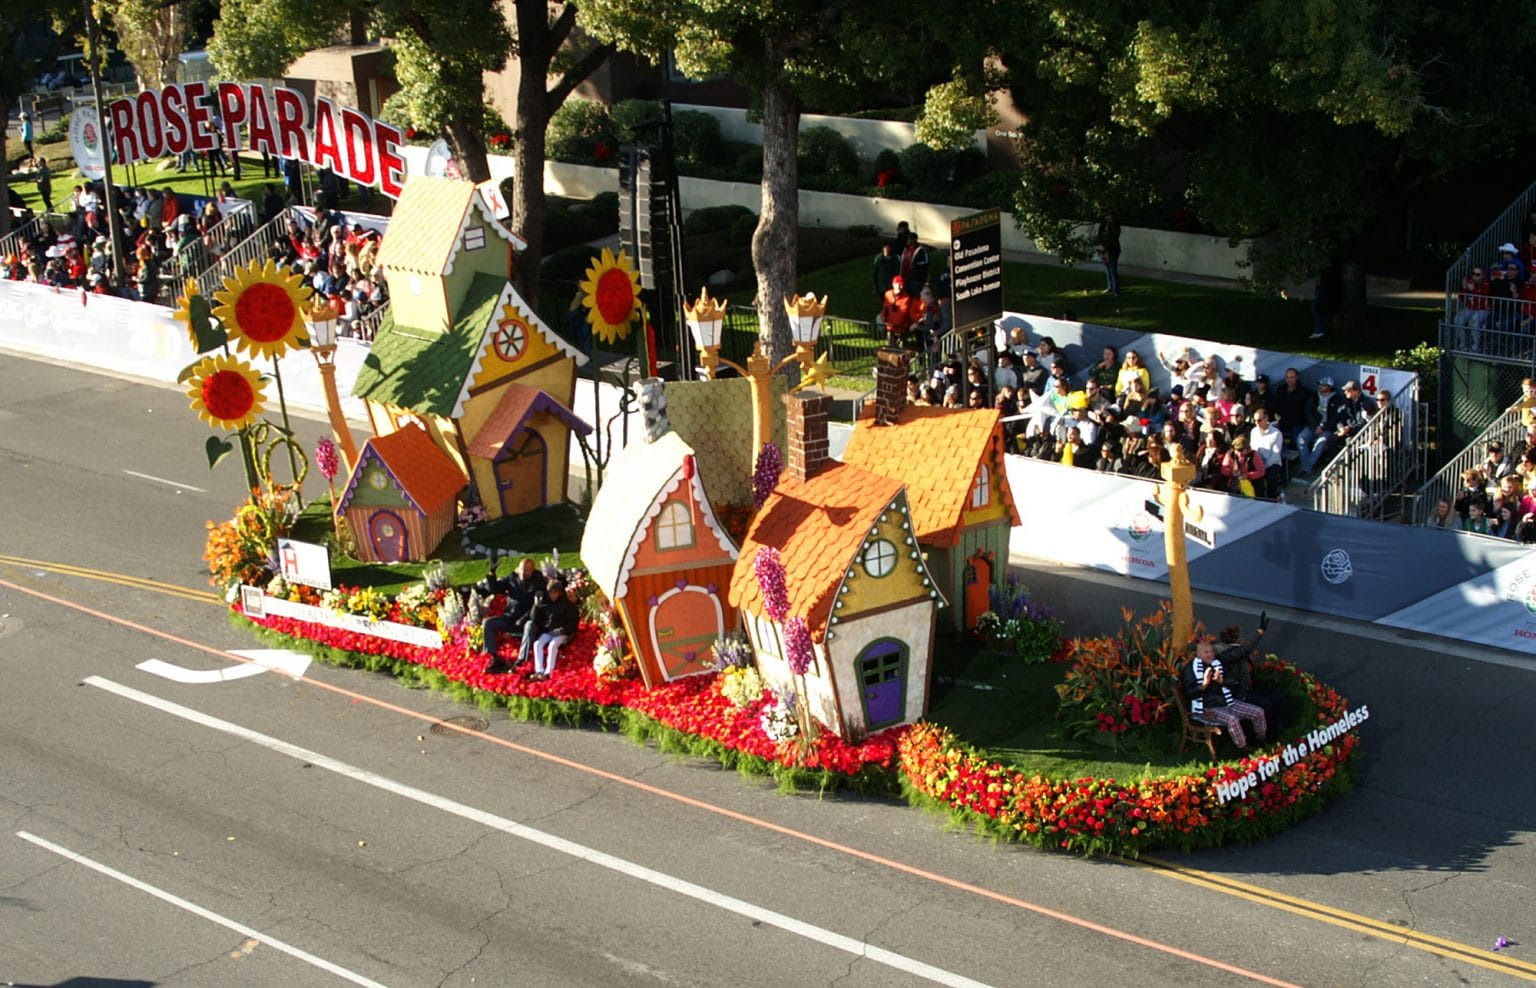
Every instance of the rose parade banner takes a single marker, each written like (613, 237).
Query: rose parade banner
(1467, 587)
(197, 116)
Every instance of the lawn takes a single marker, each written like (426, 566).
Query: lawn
(1008, 709)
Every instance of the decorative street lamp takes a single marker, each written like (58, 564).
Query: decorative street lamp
(322, 318)
(1173, 494)
(706, 319)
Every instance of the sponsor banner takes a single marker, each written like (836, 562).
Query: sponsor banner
(85, 142)
(409, 634)
(1495, 608)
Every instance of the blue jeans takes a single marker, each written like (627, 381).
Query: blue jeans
(1112, 272)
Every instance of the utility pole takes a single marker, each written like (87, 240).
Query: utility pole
(108, 196)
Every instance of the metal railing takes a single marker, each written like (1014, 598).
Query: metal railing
(210, 274)
(11, 242)
(1381, 458)
(1504, 229)
(365, 327)
(849, 344)
(1507, 429)
(1494, 333)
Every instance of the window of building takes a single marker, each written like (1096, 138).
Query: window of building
(879, 558)
(674, 526)
(981, 493)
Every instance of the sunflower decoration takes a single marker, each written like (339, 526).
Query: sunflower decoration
(227, 393)
(611, 294)
(263, 309)
(194, 313)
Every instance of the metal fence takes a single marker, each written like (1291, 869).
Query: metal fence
(1508, 428)
(11, 242)
(1381, 459)
(849, 344)
(211, 272)
(1505, 229)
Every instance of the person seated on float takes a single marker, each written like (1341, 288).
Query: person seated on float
(551, 624)
(1211, 698)
(1236, 657)
(521, 590)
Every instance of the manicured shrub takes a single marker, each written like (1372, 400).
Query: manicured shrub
(697, 138)
(823, 151)
(630, 118)
(577, 128)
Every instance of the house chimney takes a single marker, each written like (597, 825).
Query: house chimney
(652, 395)
(891, 365)
(805, 422)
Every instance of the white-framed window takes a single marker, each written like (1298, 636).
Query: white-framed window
(474, 237)
(674, 526)
(981, 493)
(768, 641)
(879, 558)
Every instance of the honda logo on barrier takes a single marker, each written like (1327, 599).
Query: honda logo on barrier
(1336, 567)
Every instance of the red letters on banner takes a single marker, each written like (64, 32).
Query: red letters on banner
(277, 121)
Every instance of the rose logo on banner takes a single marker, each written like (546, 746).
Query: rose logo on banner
(1139, 527)
(1336, 567)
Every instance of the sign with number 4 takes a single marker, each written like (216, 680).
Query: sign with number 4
(1368, 376)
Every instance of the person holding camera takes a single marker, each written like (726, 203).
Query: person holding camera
(522, 590)
(1208, 682)
(551, 624)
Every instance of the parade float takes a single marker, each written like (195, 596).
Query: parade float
(826, 623)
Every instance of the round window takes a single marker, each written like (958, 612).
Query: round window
(879, 558)
(377, 480)
(510, 340)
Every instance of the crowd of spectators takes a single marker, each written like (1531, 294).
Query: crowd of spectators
(157, 230)
(1499, 296)
(1244, 437)
(1498, 496)
(338, 260)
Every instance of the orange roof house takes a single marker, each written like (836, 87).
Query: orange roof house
(654, 545)
(962, 506)
(401, 497)
(854, 573)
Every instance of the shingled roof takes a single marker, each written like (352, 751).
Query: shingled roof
(424, 473)
(424, 369)
(936, 453)
(427, 222)
(818, 526)
(517, 404)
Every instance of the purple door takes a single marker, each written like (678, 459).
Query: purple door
(389, 537)
(882, 667)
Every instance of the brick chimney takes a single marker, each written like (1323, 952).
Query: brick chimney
(891, 364)
(805, 422)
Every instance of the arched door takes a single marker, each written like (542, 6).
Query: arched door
(883, 682)
(386, 530)
(978, 583)
(684, 624)
(520, 473)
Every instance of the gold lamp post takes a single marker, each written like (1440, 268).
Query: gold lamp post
(1173, 494)
(322, 318)
(706, 319)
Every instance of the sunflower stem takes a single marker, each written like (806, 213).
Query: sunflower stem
(293, 462)
(248, 459)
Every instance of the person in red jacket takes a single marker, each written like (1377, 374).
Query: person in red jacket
(899, 312)
(1242, 463)
(1473, 312)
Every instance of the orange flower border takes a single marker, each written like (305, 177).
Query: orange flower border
(1104, 816)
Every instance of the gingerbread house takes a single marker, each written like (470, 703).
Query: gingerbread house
(854, 573)
(401, 497)
(963, 509)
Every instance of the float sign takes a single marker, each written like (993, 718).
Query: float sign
(976, 269)
(304, 563)
(85, 142)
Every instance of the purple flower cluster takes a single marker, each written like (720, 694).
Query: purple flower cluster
(765, 475)
(797, 645)
(769, 570)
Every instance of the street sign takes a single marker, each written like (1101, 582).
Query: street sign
(304, 563)
(976, 270)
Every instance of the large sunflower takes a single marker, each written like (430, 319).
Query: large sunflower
(611, 293)
(263, 309)
(226, 393)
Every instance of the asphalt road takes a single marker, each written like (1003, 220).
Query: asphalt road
(271, 832)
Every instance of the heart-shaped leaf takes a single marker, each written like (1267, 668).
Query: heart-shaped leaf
(217, 449)
(200, 319)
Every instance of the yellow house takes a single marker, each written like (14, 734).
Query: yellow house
(854, 574)
(461, 354)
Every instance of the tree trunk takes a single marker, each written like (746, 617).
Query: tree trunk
(529, 144)
(776, 238)
(6, 103)
(1351, 318)
(469, 147)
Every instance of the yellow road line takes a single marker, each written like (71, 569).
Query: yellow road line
(121, 579)
(1439, 946)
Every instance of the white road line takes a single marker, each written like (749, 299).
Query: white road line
(602, 859)
(162, 480)
(199, 911)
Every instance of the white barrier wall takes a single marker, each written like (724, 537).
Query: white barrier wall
(868, 137)
(1163, 250)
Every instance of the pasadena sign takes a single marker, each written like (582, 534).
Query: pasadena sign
(276, 120)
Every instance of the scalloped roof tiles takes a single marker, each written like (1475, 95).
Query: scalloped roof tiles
(819, 527)
(936, 453)
(425, 474)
